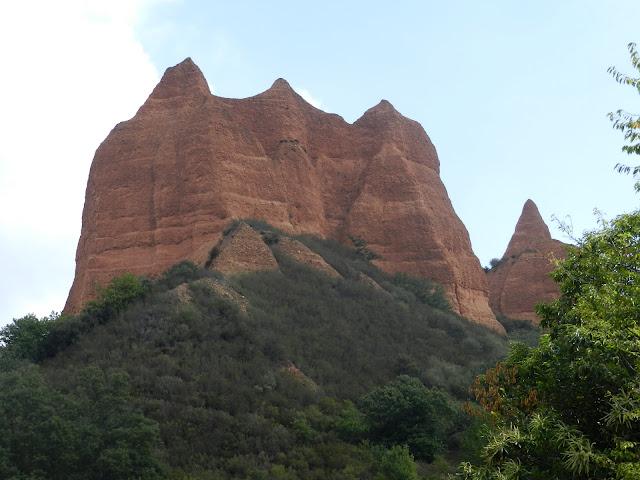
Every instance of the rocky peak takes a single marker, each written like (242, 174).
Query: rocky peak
(381, 115)
(282, 91)
(182, 80)
(529, 231)
(281, 85)
(521, 280)
(386, 126)
(383, 107)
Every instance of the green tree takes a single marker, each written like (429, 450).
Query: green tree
(34, 339)
(117, 295)
(397, 464)
(570, 408)
(406, 412)
(25, 337)
(628, 123)
(91, 432)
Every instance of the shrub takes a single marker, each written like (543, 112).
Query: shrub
(270, 238)
(362, 250)
(397, 464)
(523, 331)
(213, 254)
(119, 293)
(406, 412)
(424, 290)
(495, 262)
(180, 273)
(25, 338)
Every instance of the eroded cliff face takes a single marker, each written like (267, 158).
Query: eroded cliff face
(164, 184)
(521, 279)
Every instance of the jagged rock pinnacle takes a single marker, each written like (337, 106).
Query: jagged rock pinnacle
(384, 106)
(183, 79)
(529, 230)
(382, 111)
(521, 280)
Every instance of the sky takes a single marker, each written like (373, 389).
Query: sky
(514, 95)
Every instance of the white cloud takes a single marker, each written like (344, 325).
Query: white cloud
(304, 93)
(71, 70)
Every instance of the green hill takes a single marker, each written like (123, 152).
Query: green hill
(288, 374)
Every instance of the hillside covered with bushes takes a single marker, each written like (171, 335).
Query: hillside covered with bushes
(288, 373)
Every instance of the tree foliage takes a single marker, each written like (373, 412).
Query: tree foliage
(405, 412)
(89, 432)
(570, 408)
(397, 464)
(116, 296)
(626, 122)
(25, 338)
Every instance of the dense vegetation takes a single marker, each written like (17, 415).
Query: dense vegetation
(570, 407)
(318, 378)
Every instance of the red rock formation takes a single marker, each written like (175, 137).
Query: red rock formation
(303, 254)
(164, 184)
(521, 279)
(243, 250)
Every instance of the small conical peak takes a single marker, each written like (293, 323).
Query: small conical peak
(284, 94)
(530, 208)
(531, 221)
(281, 84)
(187, 63)
(379, 114)
(530, 230)
(282, 90)
(384, 106)
(183, 79)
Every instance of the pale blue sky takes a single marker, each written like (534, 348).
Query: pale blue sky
(513, 94)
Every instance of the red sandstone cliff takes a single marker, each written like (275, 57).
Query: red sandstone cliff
(164, 184)
(521, 279)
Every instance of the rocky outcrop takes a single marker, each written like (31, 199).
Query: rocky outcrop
(299, 376)
(217, 287)
(242, 250)
(164, 184)
(521, 279)
(367, 280)
(304, 255)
